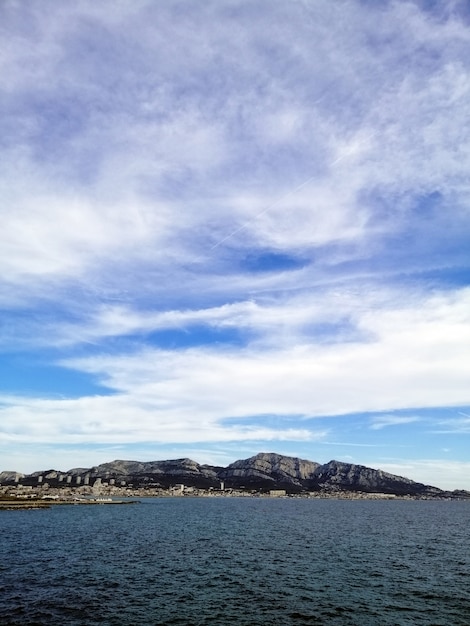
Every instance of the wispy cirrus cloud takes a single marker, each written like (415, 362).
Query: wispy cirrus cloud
(445, 473)
(455, 425)
(383, 421)
(397, 366)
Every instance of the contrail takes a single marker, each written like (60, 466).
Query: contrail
(268, 208)
(281, 198)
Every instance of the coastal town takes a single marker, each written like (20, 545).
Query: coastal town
(43, 494)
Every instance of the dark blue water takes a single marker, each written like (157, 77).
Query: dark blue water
(237, 561)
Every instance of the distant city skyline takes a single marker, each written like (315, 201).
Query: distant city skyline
(233, 227)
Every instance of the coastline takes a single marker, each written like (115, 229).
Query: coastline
(24, 504)
(38, 500)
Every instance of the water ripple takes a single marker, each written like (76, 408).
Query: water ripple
(247, 562)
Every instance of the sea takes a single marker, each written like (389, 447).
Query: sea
(242, 561)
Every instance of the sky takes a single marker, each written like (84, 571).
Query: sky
(231, 227)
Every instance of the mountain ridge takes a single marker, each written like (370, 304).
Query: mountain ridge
(263, 471)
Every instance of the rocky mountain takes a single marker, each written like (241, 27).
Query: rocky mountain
(10, 477)
(269, 470)
(165, 473)
(361, 478)
(263, 471)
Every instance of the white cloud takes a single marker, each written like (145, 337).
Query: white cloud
(164, 138)
(125, 418)
(441, 473)
(456, 425)
(382, 421)
(64, 236)
(410, 358)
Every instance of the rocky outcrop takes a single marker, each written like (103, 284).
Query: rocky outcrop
(360, 478)
(10, 477)
(163, 473)
(133, 473)
(269, 470)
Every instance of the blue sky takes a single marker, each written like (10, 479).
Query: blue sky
(231, 227)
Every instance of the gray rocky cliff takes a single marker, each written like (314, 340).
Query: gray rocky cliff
(360, 478)
(271, 469)
(157, 472)
(10, 477)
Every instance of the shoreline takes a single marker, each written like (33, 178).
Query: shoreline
(40, 503)
(14, 504)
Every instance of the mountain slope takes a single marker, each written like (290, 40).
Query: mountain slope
(361, 478)
(270, 470)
